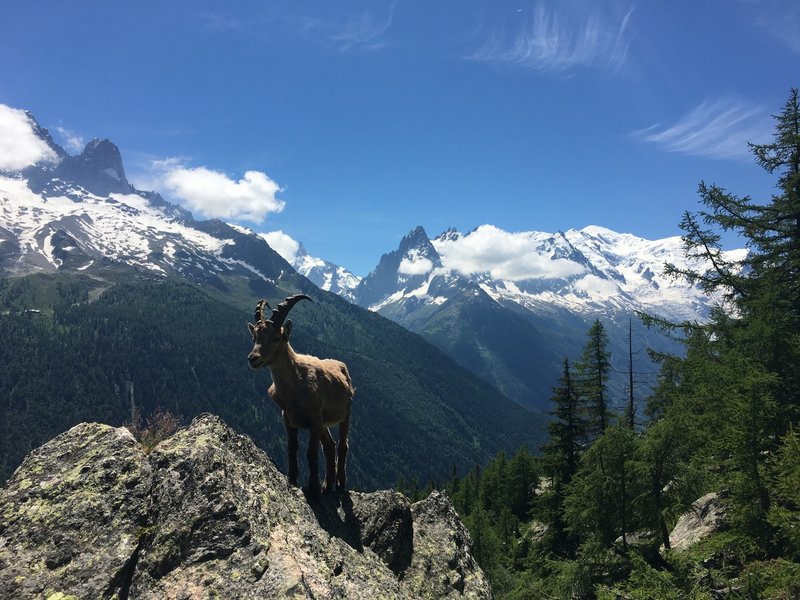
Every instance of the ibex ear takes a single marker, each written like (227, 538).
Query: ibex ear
(287, 329)
(252, 328)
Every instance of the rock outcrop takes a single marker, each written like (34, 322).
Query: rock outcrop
(706, 515)
(206, 514)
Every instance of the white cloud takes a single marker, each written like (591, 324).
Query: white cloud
(715, 129)
(361, 32)
(504, 255)
(71, 140)
(551, 41)
(597, 286)
(414, 264)
(215, 195)
(19, 144)
(283, 244)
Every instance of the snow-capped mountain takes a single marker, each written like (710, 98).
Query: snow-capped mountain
(592, 271)
(322, 273)
(508, 306)
(511, 305)
(80, 213)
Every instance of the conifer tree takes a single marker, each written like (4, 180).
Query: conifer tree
(741, 378)
(567, 430)
(593, 371)
(599, 504)
(561, 454)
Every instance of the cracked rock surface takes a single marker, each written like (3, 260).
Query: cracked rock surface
(207, 515)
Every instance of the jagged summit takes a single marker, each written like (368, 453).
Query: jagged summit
(207, 514)
(401, 270)
(511, 305)
(98, 169)
(80, 214)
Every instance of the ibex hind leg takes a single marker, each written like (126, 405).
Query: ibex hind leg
(329, 448)
(341, 466)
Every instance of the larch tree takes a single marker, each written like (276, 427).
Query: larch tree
(747, 374)
(593, 371)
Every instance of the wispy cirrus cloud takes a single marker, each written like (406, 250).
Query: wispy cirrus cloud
(71, 140)
(552, 41)
(714, 129)
(783, 25)
(364, 31)
(780, 19)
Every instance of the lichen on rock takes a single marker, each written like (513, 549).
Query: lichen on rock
(71, 514)
(206, 514)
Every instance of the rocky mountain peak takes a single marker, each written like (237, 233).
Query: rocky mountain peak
(449, 234)
(414, 238)
(98, 169)
(44, 134)
(207, 514)
(402, 269)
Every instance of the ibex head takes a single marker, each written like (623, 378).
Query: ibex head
(270, 336)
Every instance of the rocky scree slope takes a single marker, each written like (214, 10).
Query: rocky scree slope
(207, 514)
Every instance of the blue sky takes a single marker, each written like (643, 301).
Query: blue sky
(346, 124)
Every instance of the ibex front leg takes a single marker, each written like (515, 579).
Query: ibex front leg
(314, 438)
(291, 434)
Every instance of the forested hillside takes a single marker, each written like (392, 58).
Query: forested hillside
(591, 516)
(74, 348)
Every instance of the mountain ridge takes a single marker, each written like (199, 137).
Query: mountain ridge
(89, 278)
(550, 286)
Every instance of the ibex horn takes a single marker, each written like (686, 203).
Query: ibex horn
(260, 310)
(279, 314)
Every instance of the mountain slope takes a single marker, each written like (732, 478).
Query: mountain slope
(113, 297)
(511, 306)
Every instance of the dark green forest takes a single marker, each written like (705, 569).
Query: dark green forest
(590, 515)
(74, 348)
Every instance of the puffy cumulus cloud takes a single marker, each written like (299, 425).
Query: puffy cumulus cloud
(283, 244)
(596, 286)
(19, 144)
(215, 195)
(415, 265)
(504, 255)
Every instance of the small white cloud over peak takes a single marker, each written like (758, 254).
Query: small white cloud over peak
(215, 195)
(71, 140)
(503, 255)
(283, 244)
(19, 144)
(415, 264)
(550, 40)
(714, 129)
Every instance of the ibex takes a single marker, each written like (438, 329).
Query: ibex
(313, 393)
